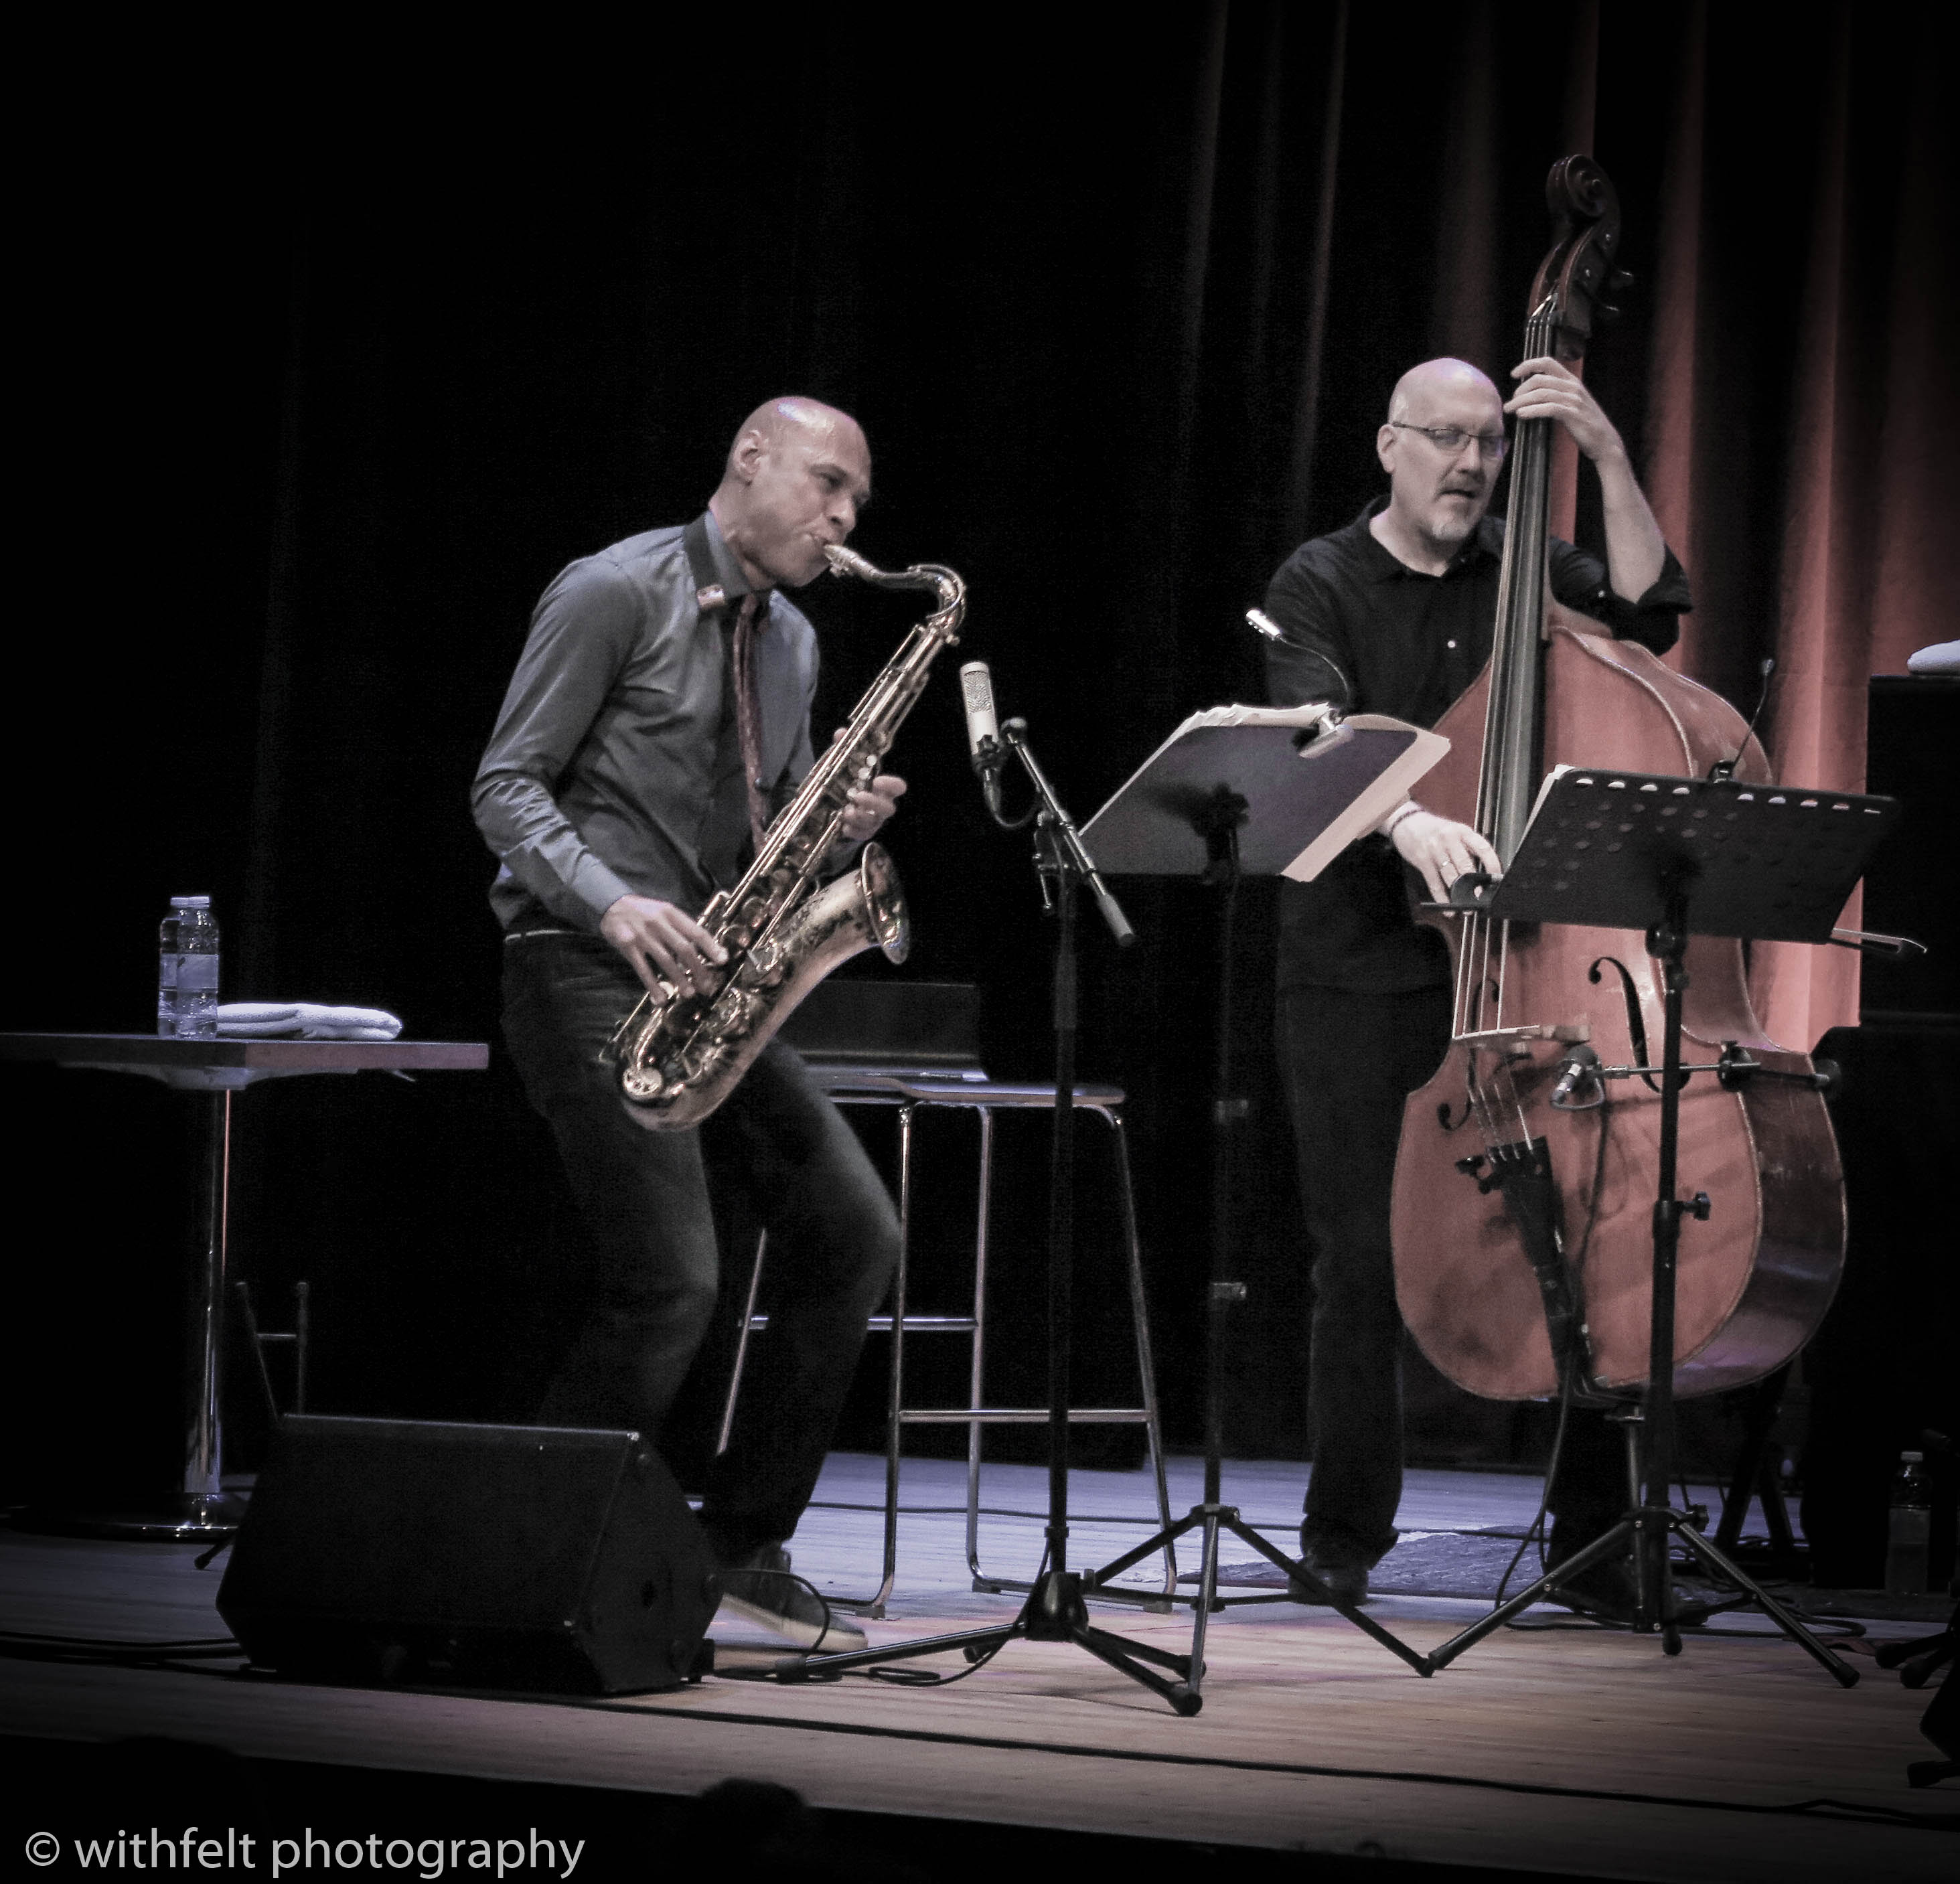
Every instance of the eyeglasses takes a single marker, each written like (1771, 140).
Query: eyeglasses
(1450, 439)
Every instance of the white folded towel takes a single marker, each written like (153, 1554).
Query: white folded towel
(257, 1020)
(304, 1020)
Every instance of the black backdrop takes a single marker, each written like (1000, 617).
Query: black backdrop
(336, 369)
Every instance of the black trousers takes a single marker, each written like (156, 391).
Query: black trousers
(1349, 1062)
(777, 1142)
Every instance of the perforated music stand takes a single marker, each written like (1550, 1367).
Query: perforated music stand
(1678, 857)
(1217, 804)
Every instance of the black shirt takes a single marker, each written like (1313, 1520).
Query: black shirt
(1366, 631)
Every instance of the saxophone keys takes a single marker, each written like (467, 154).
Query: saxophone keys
(642, 1085)
(732, 1018)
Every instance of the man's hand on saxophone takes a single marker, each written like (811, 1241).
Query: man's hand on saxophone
(869, 808)
(662, 942)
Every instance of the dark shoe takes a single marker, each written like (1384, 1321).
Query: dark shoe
(759, 1587)
(1605, 1591)
(1344, 1571)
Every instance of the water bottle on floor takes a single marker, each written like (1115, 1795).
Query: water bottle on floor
(187, 970)
(1910, 1531)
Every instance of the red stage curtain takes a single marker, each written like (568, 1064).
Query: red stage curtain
(1778, 376)
(1866, 483)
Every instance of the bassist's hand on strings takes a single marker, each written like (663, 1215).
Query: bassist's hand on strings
(1552, 390)
(1439, 848)
(1635, 551)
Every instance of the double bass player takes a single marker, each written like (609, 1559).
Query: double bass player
(1394, 614)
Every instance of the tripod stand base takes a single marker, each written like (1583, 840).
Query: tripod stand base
(1656, 1611)
(1054, 1611)
(1214, 1520)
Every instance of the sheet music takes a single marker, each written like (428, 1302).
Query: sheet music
(1367, 811)
(1309, 801)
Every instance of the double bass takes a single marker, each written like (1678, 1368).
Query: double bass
(1522, 1219)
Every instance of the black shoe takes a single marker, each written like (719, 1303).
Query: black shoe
(759, 1587)
(1605, 1592)
(1344, 1572)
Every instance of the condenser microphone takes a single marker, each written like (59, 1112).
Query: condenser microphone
(1579, 1075)
(983, 729)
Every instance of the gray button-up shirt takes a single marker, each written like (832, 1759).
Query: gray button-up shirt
(614, 768)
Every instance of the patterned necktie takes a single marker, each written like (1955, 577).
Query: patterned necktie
(748, 717)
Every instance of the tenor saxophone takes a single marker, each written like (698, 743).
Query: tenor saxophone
(679, 1055)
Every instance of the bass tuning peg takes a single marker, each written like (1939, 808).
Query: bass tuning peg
(1617, 282)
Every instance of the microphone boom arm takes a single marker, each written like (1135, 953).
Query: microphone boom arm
(1062, 833)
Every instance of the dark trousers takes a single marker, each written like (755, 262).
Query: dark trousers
(778, 1144)
(1350, 1060)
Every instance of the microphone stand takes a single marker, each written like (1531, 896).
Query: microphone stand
(1055, 1610)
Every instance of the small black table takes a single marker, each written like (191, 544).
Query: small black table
(216, 1068)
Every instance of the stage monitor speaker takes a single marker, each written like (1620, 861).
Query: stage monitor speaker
(545, 1558)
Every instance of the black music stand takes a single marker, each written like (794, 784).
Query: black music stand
(1218, 802)
(1678, 857)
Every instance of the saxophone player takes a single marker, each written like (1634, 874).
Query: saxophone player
(658, 716)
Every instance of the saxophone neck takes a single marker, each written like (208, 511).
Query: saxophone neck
(945, 584)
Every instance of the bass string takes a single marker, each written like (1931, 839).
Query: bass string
(1495, 1101)
(1472, 985)
(1479, 1098)
(1469, 977)
(1480, 1103)
(1513, 701)
(1503, 969)
(1513, 705)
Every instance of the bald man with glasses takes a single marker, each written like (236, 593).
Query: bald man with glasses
(1394, 614)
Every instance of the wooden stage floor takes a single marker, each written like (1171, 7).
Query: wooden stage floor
(1570, 1750)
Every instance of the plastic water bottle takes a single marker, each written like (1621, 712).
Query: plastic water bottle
(1911, 1532)
(187, 970)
